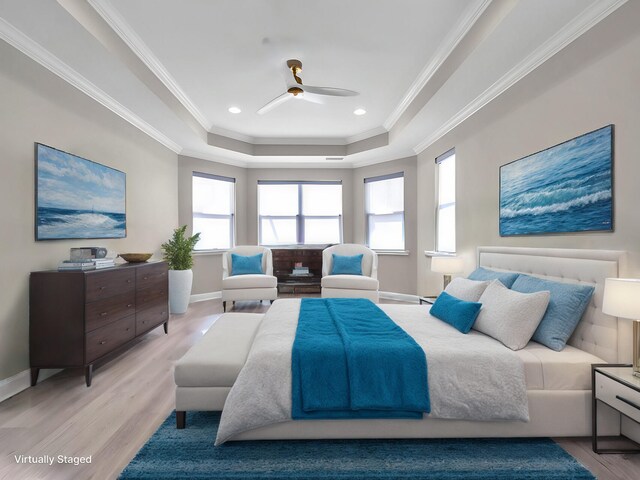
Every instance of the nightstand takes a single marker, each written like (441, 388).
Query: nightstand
(616, 386)
(428, 300)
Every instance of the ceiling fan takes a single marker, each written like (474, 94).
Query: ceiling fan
(296, 89)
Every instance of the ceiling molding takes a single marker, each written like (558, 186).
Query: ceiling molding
(212, 158)
(118, 24)
(374, 132)
(447, 46)
(574, 29)
(39, 54)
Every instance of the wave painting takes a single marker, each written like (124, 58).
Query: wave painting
(566, 188)
(77, 198)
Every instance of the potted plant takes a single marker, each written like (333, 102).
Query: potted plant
(178, 252)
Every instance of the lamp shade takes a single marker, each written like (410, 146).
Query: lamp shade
(622, 297)
(447, 265)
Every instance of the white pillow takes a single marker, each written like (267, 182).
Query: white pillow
(465, 289)
(510, 317)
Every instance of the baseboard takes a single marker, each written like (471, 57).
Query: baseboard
(201, 297)
(400, 297)
(21, 381)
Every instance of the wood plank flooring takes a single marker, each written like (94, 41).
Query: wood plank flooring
(130, 397)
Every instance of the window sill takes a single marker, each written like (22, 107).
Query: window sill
(202, 253)
(397, 253)
(430, 253)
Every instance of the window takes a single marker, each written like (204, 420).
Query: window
(384, 211)
(299, 212)
(213, 210)
(446, 209)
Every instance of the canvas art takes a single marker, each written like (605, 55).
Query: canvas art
(565, 188)
(77, 198)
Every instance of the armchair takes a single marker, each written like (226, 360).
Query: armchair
(262, 286)
(358, 286)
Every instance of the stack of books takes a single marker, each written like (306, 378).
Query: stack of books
(300, 271)
(86, 264)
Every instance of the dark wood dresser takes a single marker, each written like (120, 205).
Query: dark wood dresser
(284, 259)
(76, 318)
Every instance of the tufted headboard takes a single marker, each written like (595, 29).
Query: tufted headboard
(602, 335)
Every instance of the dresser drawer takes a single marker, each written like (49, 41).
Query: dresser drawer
(152, 297)
(108, 310)
(103, 284)
(151, 317)
(621, 397)
(107, 338)
(154, 274)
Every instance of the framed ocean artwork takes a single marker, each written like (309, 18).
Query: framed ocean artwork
(565, 188)
(77, 198)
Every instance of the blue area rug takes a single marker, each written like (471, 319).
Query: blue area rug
(190, 453)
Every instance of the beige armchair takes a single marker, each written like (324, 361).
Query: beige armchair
(358, 286)
(248, 287)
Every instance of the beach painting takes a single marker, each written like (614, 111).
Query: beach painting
(77, 198)
(565, 188)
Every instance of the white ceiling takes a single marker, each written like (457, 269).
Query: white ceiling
(174, 68)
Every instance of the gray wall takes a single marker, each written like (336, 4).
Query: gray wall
(592, 83)
(37, 106)
(396, 273)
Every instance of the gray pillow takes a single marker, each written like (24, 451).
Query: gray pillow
(510, 317)
(465, 289)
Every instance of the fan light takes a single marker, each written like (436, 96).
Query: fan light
(359, 111)
(234, 110)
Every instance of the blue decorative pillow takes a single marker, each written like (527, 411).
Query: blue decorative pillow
(506, 278)
(457, 313)
(246, 265)
(566, 306)
(347, 265)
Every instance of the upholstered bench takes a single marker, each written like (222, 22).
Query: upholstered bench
(206, 373)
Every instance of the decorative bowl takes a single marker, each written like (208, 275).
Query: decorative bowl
(136, 257)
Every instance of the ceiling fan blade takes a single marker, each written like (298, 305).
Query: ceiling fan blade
(275, 102)
(331, 91)
(311, 97)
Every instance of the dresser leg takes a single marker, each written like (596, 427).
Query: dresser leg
(224, 306)
(181, 419)
(166, 326)
(34, 376)
(88, 373)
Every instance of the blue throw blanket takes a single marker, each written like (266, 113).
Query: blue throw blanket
(350, 360)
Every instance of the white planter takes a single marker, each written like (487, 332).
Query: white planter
(180, 282)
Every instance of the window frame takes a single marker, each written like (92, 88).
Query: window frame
(367, 215)
(438, 207)
(299, 218)
(231, 217)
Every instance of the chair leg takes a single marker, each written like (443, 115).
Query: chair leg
(224, 306)
(181, 419)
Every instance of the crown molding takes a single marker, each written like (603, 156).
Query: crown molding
(213, 158)
(118, 24)
(36, 52)
(574, 29)
(445, 49)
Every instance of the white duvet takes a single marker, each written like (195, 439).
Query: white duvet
(471, 377)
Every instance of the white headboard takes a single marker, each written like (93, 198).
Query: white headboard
(602, 335)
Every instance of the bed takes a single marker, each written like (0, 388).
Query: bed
(558, 386)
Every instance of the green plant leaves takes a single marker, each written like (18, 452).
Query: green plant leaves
(178, 250)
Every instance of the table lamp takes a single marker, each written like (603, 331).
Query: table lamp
(622, 299)
(447, 266)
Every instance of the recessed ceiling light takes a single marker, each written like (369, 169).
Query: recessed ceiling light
(359, 111)
(234, 110)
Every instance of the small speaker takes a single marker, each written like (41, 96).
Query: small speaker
(85, 253)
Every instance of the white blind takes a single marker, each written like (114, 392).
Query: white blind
(446, 213)
(384, 206)
(213, 210)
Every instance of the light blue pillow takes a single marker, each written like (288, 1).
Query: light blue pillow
(347, 265)
(505, 278)
(566, 306)
(457, 313)
(246, 264)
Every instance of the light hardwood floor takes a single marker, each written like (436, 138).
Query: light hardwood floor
(130, 397)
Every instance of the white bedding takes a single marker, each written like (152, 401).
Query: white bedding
(471, 377)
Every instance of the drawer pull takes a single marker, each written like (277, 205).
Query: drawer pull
(102, 288)
(145, 278)
(129, 281)
(103, 314)
(163, 273)
(163, 313)
(129, 305)
(628, 402)
(103, 342)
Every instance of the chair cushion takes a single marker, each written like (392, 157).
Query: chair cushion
(353, 282)
(218, 357)
(246, 265)
(347, 264)
(249, 281)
